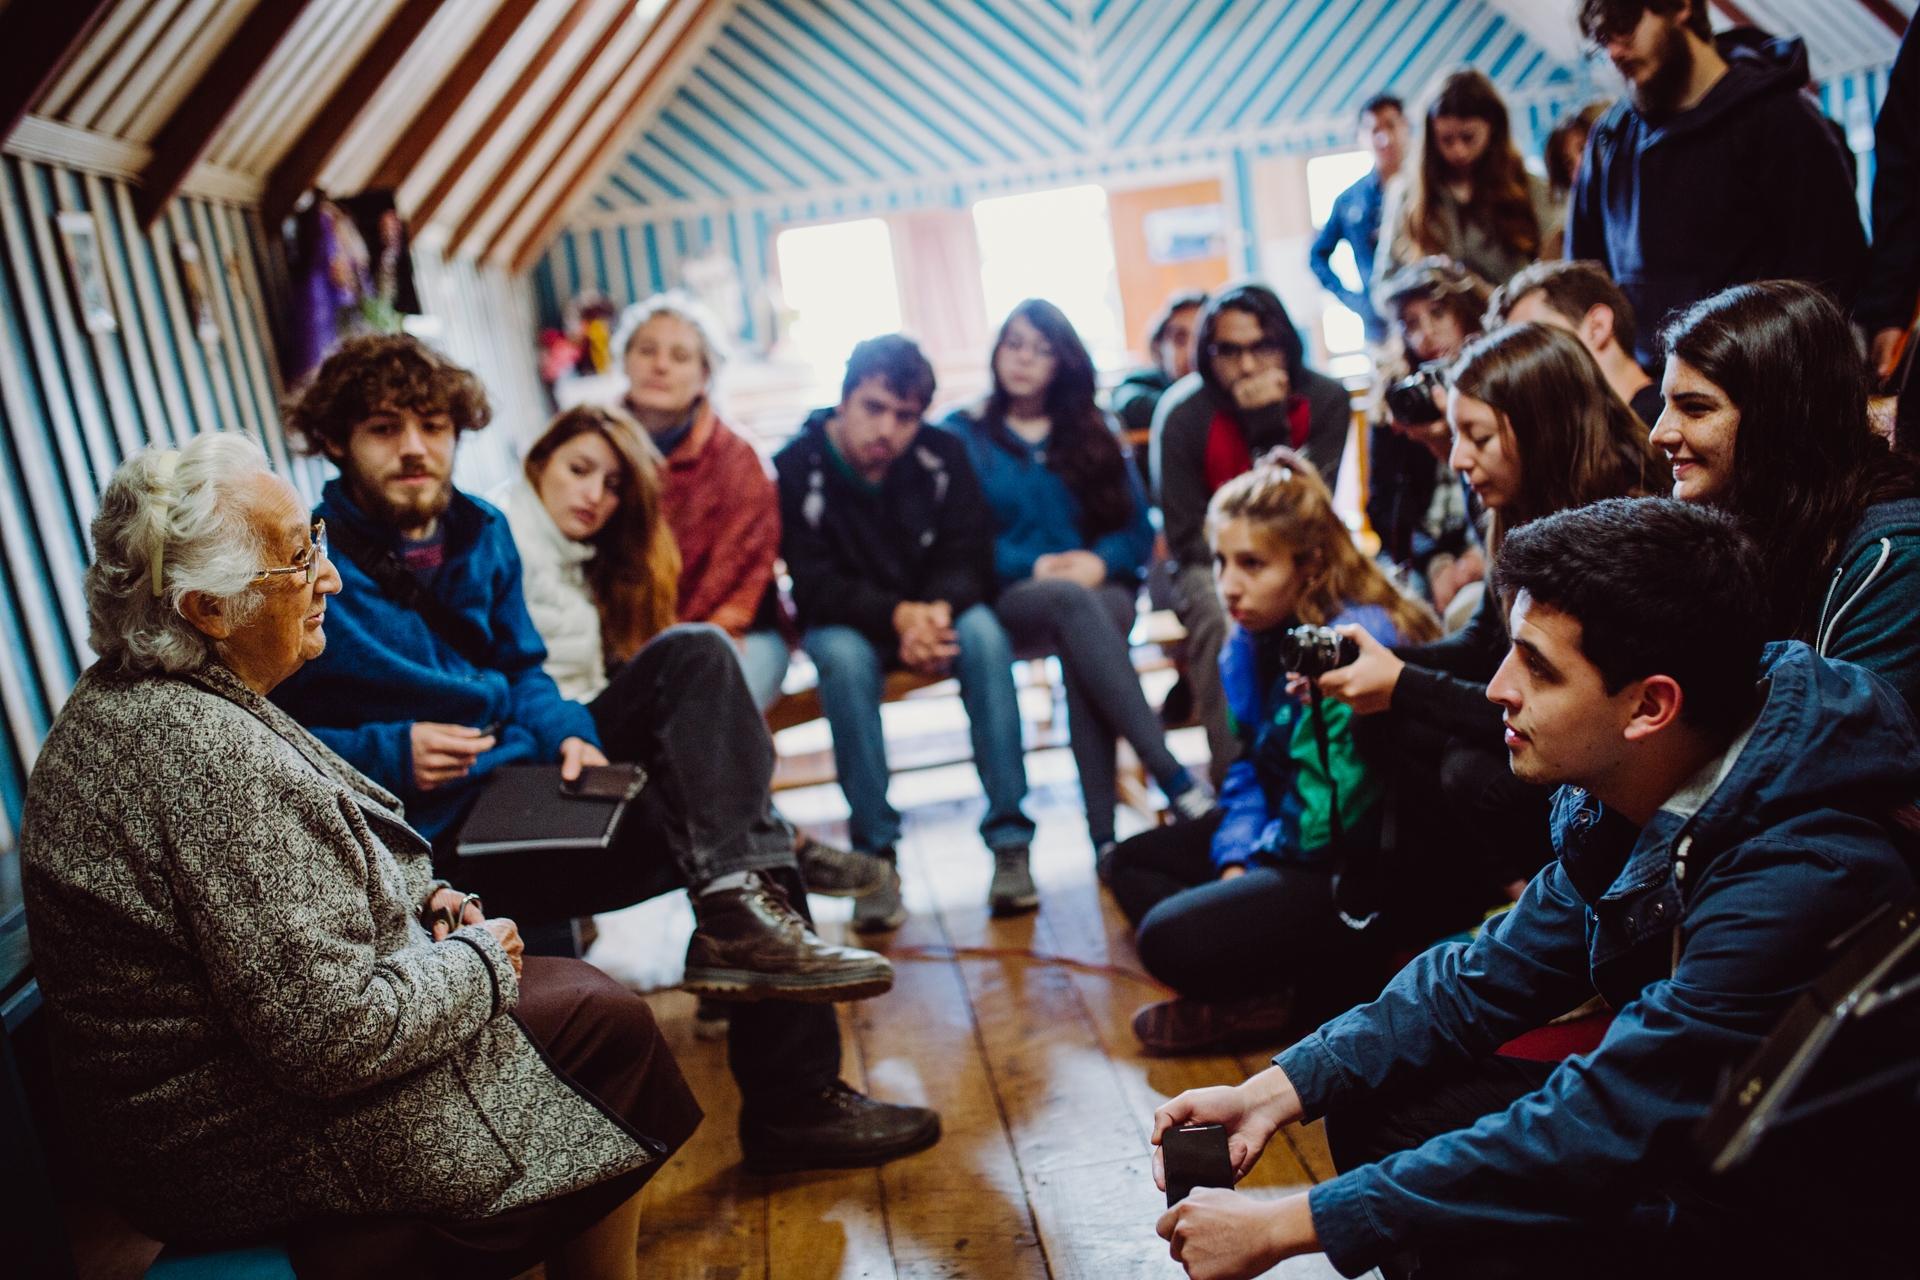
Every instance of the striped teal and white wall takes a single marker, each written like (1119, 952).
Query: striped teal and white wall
(73, 403)
(804, 111)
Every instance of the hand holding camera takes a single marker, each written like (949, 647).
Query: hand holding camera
(1365, 681)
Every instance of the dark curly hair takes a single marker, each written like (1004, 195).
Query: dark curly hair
(1085, 452)
(372, 372)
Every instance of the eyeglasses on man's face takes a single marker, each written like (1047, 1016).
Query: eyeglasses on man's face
(306, 561)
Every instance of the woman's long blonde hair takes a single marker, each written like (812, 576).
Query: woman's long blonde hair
(635, 571)
(1287, 501)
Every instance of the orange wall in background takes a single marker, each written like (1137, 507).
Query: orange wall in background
(1144, 283)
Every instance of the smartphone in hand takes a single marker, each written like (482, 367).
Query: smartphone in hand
(1195, 1155)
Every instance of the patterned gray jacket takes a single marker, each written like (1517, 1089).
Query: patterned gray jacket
(251, 1025)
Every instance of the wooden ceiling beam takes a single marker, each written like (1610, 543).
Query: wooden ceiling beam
(533, 136)
(1885, 11)
(309, 154)
(497, 118)
(38, 39)
(520, 255)
(184, 138)
(421, 132)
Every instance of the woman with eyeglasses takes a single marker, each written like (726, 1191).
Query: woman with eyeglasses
(1071, 541)
(1250, 391)
(270, 1020)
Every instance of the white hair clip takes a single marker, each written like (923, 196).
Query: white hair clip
(160, 485)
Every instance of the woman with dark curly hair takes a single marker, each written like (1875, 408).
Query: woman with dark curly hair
(1071, 542)
(1766, 419)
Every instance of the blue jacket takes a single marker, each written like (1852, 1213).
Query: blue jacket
(384, 668)
(1355, 219)
(1035, 514)
(1275, 801)
(1748, 184)
(1698, 929)
(1873, 598)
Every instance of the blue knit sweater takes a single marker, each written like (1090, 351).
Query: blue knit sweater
(384, 668)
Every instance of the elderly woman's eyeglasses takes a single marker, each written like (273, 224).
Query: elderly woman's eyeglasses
(309, 565)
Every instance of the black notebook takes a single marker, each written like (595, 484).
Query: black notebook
(526, 807)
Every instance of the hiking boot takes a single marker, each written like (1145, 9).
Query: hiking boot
(836, 1128)
(750, 944)
(711, 1019)
(1012, 891)
(1181, 1025)
(838, 873)
(881, 911)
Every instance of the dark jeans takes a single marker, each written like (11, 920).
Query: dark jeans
(681, 709)
(1213, 939)
(1088, 628)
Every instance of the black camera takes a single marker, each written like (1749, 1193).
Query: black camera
(1411, 399)
(1314, 651)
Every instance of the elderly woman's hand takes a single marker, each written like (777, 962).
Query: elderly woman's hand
(507, 933)
(450, 901)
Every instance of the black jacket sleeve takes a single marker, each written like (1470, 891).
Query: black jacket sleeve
(960, 562)
(1817, 223)
(1894, 282)
(824, 592)
(1445, 683)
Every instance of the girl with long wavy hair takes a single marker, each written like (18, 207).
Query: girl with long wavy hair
(1237, 914)
(1071, 543)
(1766, 418)
(1470, 197)
(600, 568)
(1536, 429)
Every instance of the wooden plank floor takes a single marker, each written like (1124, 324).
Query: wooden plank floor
(1043, 1169)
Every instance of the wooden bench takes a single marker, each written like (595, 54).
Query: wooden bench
(1154, 639)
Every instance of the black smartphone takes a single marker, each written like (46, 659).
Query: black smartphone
(617, 782)
(1195, 1156)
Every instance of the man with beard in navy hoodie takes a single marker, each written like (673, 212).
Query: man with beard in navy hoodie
(1717, 170)
(1726, 813)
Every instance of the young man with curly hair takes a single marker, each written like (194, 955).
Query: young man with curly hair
(432, 680)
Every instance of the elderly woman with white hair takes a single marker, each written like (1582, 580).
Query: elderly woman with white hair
(719, 500)
(268, 1019)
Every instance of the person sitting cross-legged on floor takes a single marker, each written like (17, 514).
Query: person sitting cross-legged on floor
(1072, 537)
(1236, 912)
(1727, 811)
(890, 542)
(434, 679)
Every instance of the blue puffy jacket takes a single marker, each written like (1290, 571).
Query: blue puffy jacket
(1698, 930)
(384, 668)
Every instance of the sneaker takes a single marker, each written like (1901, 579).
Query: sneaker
(881, 911)
(750, 944)
(711, 1020)
(1012, 891)
(836, 1128)
(1181, 1025)
(838, 873)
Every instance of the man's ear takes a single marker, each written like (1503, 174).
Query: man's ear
(1596, 327)
(1656, 707)
(207, 615)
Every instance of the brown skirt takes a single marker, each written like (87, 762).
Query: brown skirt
(600, 1038)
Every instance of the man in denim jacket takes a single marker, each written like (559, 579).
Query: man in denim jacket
(1714, 836)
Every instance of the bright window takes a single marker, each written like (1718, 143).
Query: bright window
(838, 285)
(1343, 332)
(1056, 245)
